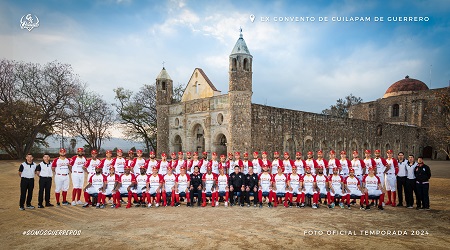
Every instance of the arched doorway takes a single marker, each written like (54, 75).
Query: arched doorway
(353, 146)
(308, 145)
(427, 152)
(199, 138)
(178, 144)
(221, 144)
(290, 146)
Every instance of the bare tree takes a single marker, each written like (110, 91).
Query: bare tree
(438, 129)
(33, 100)
(342, 106)
(91, 118)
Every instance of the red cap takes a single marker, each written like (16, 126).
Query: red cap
(367, 151)
(180, 153)
(214, 154)
(93, 151)
(377, 151)
(298, 154)
(205, 153)
(139, 151)
(280, 167)
(209, 167)
(154, 167)
(307, 168)
(351, 170)
(332, 152)
(98, 166)
(390, 151)
(264, 153)
(276, 153)
(112, 167)
(343, 152)
(119, 151)
(371, 168)
(286, 154)
(335, 169)
(173, 153)
(188, 153)
(130, 151)
(265, 166)
(222, 156)
(245, 154)
(183, 167)
(80, 149)
(62, 150)
(230, 154)
(355, 152)
(127, 167)
(163, 155)
(142, 167)
(152, 152)
(195, 153)
(169, 168)
(320, 167)
(310, 152)
(294, 167)
(237, 153)
(108, 152)
(220, 167)
(319, 152)
(255, 153)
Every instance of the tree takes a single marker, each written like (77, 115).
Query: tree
(342, 106)
(33, 100)
(439, 131)
(73, 144)
(138, 112)
(90, 118)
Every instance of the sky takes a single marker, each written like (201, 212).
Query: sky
(302, 65)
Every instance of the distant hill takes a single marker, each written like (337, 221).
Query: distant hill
(54, 142)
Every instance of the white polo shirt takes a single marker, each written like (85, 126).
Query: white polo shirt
(28, 170)
(46, 169)
(410, 170)
(402, 168)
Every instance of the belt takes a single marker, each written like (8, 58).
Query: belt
(120, 172)
(62, 174)
(77, 172)
(27, 178)
(426, 182)
(389, 173)
(45, 176)
(401, 176)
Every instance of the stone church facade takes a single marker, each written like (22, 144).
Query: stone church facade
(207, 120)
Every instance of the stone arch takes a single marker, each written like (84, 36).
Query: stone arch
(220, 144)
(366, 146)
(198, 135)
(177, 144)
(395, 110)
(339, 146)
(290, 146)
(387, 147)
(353, 145)
(246, 64)
(308, 143)
(233, 64)
(377, 146)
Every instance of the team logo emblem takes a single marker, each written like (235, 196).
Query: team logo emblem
(28, 22)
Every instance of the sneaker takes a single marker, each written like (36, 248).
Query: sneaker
(40, 206)
(102, 206)
(302, 205)
(217, 203)
(362, 207)
(332, 205)
(157, 205)
(341, 205)
(248, 204)
(138, 204)
(260, 205)
(269, 204)
(149, 205)
(242, 205)
(188, 204)
(427, 208)
(98, 206)
(113, 205)
(368, 207)
(65, 203)
(79, 202)
(399, 205)
(178, 204)
(144, 205)
(21, 208)
(348, 206)
(74, 203)
(86, 205)
(30, 207)
(58, 204)
(314, 206)
(410, 207)
(380, 208)
(49, 205)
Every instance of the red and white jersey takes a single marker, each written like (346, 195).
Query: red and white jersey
(179, 164)
(308, 181)
(169, 182)
(223, 165)
(324, 164)
(300, 164)
(312, 164)
(371, 182)
(90, 165)
(369, 163)
(203, 163)
(127, 180)
(195, 163)
(246, 164)
(222, 182)
(210, 180)
(182, 181)
(97, 181)
(77, 164)
(332, 163)
(136, 164)
(287, 164)
(119, 164)
(106, 164)
(189, 166)
(257, 166)
(154, 181)
(111, 181)
(280, 182)
(141, 181)
(294, 182)
(275, 164)
(358, 165)
(215, 166)
(150, 165)
(345, 165)
(381, 165)
(336, 182)
(393, 166)
(162, 166)
(321, 182)
(230, 166)
(61, 166)
(352, 183)
(265, 180)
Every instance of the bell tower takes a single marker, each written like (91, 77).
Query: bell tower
(240, 97)
(164, 93)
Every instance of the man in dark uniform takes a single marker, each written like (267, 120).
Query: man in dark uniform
(195, 186)
(251, 186)
(237, 186)
(27, 170)
(45, 181)
(410, 182)
(401, 178)
(423, 175)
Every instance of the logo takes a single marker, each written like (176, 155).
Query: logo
(28, 22)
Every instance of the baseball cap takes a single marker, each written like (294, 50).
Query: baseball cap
(62, 150)
(98, 166)
(298, 154)
(204, 153)
(230, 154)
(343, 152)
(119, 151)
(93, 151)
(142, 167)
(264, 153)
(163, 155)
(130, 151)
(195, 153)
(355, 152)
(256, 153)
(209, 167)
(237, 153)
(332, 152)
(127, 167)
(310, 152)
(377, 151)
(80, 149)
(108, 152)
(319, 152)
(152, 152)
(220, 167)
(214, 154)
(367, 151)
(173, 154)
(286, 154)
(222, 156)
(139, 151)
(180, 153)
(390, 151)
(276, 153)
(245, 154)
(182, 167)
(307, 168)
(351, 170)
(371, 168)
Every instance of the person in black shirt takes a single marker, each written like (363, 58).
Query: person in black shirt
(237, 186)
(251, 186)
(27, 170)
(423, 175)
(195, 186)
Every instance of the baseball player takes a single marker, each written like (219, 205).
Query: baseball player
(163, 165)
(45, 181)
(308, 184)
(276, 162)
(138, 162)
(209, 180)
(189, 165)
(106, 163)
(279, 187)
(372, 186)
(293, 183)
(214, 163)
(336, 185)
(154, 185)
(246, 164)
(222, 186)
(238, 161)
(119, 162)
(179, 163)
(322, 185)
(381, 166)
(352, 186)
(265, 161)
(90, 167)
(359, 168)
(152, 162)
(251, 186)
(173, 160)
(168, 187)
(257, 163)
(311, 162)
(140, 188)
(77, 162)
(112, 187)
(126, 182)
(345, 164)
(265, 182)
(321, 162)
(332, 163)
(195, 161)
(287, 164)
(391, 179)
(230, 164)
(130, 155)
(61, 166)
(203, 163)
(299, 163)
(223, 163)
(182, 186)
(98, 183)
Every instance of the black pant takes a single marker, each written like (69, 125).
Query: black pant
(409, 189)
(199, 195)
(45, 184)
(401, 186)
(237, 191)
(26, 185)
(422, 193)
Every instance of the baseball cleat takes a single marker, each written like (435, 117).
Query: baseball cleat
(226, 204)
(341, 205)
(368, 207)
(98, 206)
(348, 206)
(362, 207)
(30, 207)
(380, 208)
(177, 204)
(302, 205)
(113, 205)
(74, 203)
(58, 204)
(217, 203)
(260, 205)
(188, 204)
(149, 205)
(314, 206)
(410, 207)
(102, 206)
(79, 202)
(144, 205)
(86, 205)
(65, 203)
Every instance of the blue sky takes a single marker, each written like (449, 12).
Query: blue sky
(297, 65)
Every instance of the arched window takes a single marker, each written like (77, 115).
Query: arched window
(246, 66)
(234, 64)
(163, 85)
(395, 110)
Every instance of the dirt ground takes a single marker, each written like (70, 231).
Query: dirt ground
(225, 228)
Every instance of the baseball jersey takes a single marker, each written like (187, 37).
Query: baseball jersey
(106, 164)
(162, 166)
(280, 182)
(381, 166)
(345, 164)
(332, 163)
(394, 165)
(222, 182)
(230, 166)
(215, 166)
(287, 164)
(209, 180)
(358, 165)
(265, 180)
(150, 165)
(352, 184)
(182, 181)
(127, 180)
(203, 163)
(324, 164)
(294, 182)
(336, 182)
(371, 182)
(257, 165)
(312, 164)
(195, 163)
(77, 164)
(308, 182)
(61, 166)
(169, 182)
(275, 164)
(91, 165)
(97, 181)
(141, 181)
(300, 164)
(119, 165)
(111, 181)
(154, 182)
(369, 163)
(321, 182)
(136, 164)
(179, 164)
(246, 164)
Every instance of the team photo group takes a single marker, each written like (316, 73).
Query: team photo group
(228, 180)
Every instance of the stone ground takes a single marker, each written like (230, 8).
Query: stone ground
(226, 228)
